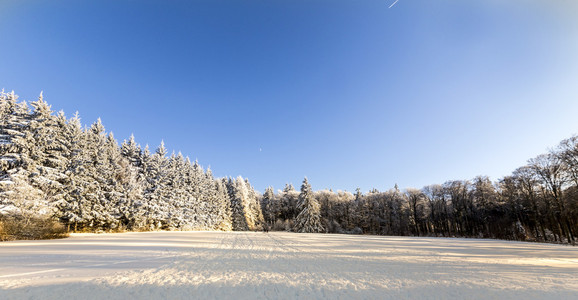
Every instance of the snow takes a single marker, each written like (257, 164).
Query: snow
(6, 209)
(281, 265)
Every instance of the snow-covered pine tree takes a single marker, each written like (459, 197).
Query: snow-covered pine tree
(63, 162)
(12, 124)
(98, 176)
(210, 198)
(236, 195)
(47, 151)
(156, 190)
(95, 185)
(150, 209)
(177, 193)
(122, 188)
(134, 211)
(17, 195)
(253, 211)
(224, 219)
(132, 151)
(74, 207)
(13, 121)
(211, 202)
(288, 206)
(267, 206)
(199, 196)
(189, 196)
(131, 204)
(245, 207)
(309, 217)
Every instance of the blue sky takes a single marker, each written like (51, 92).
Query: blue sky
(346, 92)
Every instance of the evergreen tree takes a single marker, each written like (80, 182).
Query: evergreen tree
(74, 206)
(253, 212)
(47, 153)
(97, 178)
(132, 151)
(18, 196)
(237, 192)
(199, 196)
(289, 199)
(133, 212)
(157, 188)
(14, 136)
(224, 217)
(267, 206)
(309, 217)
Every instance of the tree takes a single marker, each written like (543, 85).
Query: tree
(527, 187)
(134, 209)
(267, 206)
(238, 220)
(309, 217)
(253, 211)
(97, 179)
(416, 207)
(549, 169)
(224, 218)
(462, 206)
(46, 151)
(438, 209)
(74, 206)
(567, 152)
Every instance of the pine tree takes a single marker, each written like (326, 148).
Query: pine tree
(11, 128)
(157, 188)
(132, 151)
(309, 217)
(133, 212)
(235, 189)
(253, 211)
(96, 185)
(14, 136)
(121, 188)
(267, 206)
(74, 206)
(17, 195)
(47, 152)
(177, 194)
(224, 217)
(198, 198)
(289, 199)
(98, 176)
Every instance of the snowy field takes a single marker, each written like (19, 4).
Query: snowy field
(247, 265)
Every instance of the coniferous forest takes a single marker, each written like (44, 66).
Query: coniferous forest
(58, 176)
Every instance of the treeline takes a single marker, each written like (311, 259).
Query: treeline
(57, 176)
(538, 202)
(51, 168)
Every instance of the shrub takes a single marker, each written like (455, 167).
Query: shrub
(35, 228)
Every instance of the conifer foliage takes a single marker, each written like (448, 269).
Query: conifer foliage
(309, 217)
(245, 209)
(52, 166)
(53, 170)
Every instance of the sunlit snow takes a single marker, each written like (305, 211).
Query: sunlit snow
(254, 265)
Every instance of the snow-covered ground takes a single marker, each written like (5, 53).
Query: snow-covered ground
(247, 265)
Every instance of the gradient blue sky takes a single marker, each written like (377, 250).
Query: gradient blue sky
(346, 92)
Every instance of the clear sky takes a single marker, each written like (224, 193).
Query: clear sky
(348, 93)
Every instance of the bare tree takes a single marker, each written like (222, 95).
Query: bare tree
(549, 170)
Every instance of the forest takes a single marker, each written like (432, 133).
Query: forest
(58, 176)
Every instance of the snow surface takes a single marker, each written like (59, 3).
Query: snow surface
(280, 265)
